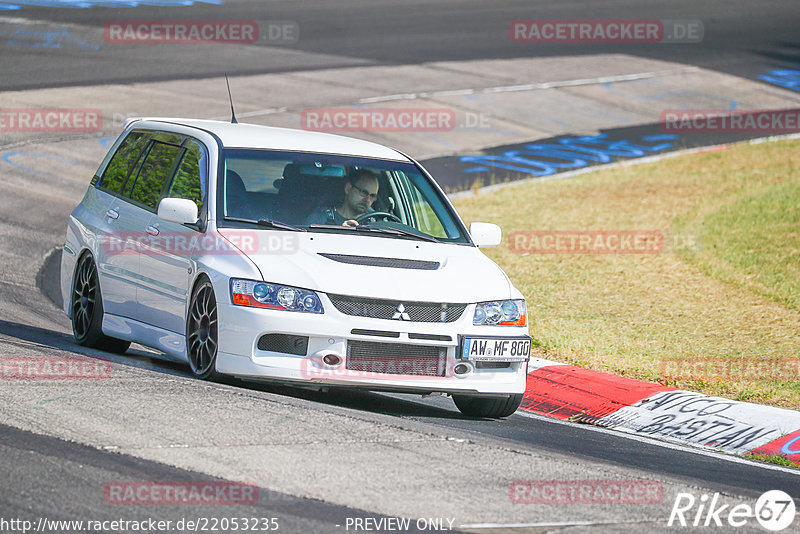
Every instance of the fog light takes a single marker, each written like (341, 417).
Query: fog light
(463, 369)
(331, 359)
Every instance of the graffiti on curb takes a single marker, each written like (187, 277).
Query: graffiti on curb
(702, 420)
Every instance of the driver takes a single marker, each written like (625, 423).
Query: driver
(360, 192)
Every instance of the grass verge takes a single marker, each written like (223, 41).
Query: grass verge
(717, 311)
(776, 459)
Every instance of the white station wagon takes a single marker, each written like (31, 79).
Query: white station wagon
(302, 257)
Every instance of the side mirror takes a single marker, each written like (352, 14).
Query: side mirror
(485, 234)
(177, 210)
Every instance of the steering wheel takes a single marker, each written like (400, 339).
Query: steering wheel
(383, 215)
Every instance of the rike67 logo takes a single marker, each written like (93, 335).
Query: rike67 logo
(774, 511)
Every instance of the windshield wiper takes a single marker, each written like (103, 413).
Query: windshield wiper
(331, 227)
(375, 229)
(396, 231)
(269, 223)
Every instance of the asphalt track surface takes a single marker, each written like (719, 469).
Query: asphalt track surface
(46, 476)
(72, 488)
(740, 37)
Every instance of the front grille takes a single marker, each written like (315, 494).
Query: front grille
(421, 312)
(430, 337)
(374, 261)
(378, 333)
(284, 343)
(396, 358)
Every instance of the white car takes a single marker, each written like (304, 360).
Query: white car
(303, 257)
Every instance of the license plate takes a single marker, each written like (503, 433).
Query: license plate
(496, 349)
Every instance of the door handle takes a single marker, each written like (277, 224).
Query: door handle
(112, 214)
(152, 230)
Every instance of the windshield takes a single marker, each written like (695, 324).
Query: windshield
(326, 193)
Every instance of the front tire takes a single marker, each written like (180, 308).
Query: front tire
(487, 407)
(201, 332)
(87, 310)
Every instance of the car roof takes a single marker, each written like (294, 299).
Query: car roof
(267, 137)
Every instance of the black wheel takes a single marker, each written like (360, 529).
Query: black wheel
(487, 407)
(201, 332)
(378, 215)
(87, 310)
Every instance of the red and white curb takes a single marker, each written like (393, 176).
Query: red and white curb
(644, 408)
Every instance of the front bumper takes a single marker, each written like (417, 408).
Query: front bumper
(241, 327)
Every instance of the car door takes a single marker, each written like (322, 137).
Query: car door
(115, 254)
(167, 271)
(143, 195)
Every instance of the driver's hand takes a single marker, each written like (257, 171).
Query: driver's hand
(350, 222)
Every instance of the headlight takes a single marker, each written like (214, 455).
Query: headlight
(274, 296)
(501, 312)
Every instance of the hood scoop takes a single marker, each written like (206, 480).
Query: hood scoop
(373, 261)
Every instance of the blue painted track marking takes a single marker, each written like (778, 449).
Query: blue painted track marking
(788, 78)
(787, 447)
(58, 38)
(613, 87)
(11, 5)
(543, 159)
(7, 157)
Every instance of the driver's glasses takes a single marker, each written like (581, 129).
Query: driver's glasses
(365, 193)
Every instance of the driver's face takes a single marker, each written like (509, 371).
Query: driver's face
(361, 195)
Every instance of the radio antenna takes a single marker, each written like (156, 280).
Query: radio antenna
(233, 114)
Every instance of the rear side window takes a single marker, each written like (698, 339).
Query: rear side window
(190, 179)
(123, 162)
(156, 171)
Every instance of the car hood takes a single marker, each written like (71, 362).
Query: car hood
(355, 265)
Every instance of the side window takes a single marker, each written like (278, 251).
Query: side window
(156, 171)
(427, 221)
(423, 213)
(123, 162)
(191, 179)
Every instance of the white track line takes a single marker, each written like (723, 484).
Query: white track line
(493, 90)
(557, 524)
(530, 86)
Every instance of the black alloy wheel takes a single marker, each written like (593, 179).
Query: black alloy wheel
(87, 310)
(201, 332)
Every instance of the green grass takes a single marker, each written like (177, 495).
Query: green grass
(776, 459)
(758, 237)
(735, 298)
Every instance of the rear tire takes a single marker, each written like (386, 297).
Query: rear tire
(487, 407)
(87, 310)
